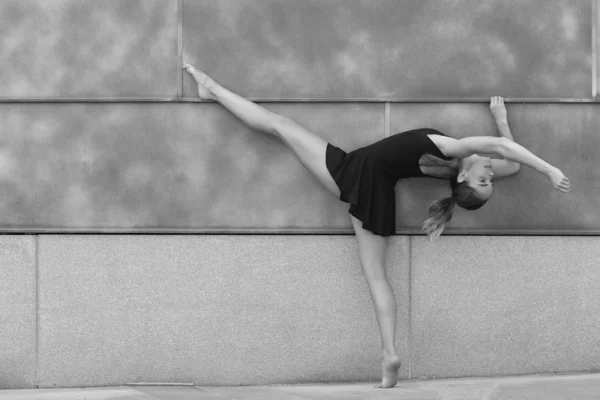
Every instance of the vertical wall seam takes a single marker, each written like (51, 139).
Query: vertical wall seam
(37, 311)
(387, 120)
(594, 49)
(410, 284)
(179, 49)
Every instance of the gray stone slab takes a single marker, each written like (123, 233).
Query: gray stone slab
(392, 49)
(556, 387)
(562, 134)
(597, 18)
(582, 390)
(178, 393)
(104, 393)
(90, 49)
(17, 312)
(484, 306)
(170, 167)
(213, 310)
(114, 393)
(584, 387)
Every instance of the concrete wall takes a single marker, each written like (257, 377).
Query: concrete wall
(18, 311)
(101, 133)
(232, 310)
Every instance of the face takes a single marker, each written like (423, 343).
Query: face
(479, 175)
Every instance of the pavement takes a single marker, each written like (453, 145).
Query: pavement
(533, 387)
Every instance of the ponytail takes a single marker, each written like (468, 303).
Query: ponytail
(440, 213)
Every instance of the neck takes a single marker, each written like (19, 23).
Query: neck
(465, 163)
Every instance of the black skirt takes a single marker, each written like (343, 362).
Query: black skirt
(370, 191)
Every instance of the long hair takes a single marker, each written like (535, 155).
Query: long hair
(440, 212)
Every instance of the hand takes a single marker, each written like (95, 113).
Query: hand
(498, 110)
(559, 181)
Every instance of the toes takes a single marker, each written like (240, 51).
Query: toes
(386, 385)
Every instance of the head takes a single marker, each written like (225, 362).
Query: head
(471, 189)
(477, 173)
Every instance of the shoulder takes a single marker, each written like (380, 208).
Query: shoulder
(439, 139)
(442, 142)
(503, 168)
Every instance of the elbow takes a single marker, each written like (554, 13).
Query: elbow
(508, 150)
(516, 167)
(503, 147)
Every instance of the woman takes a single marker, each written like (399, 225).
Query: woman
(366, 177)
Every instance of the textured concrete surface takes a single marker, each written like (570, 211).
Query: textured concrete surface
(141, 167)
(17, 312)
(168, 166)
(103, 48)
(504, 305)
(576, 387)
(230, 310)
(213, 310)
(558, 133)
(422, 49)
(350, 49)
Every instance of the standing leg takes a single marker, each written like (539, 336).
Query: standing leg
(371, 249)
(308, 147)
(310, 150)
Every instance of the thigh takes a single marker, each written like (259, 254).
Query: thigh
(371, 251)
(310, 150)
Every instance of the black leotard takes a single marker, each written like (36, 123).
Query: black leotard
(367, 176)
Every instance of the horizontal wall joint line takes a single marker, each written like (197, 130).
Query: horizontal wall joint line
(298, 231)
(293, 100)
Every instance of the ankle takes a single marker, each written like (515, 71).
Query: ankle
(215, 89)
(389, 354)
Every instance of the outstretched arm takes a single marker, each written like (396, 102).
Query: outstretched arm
(515, 154)
(508, 149)
(504, 167)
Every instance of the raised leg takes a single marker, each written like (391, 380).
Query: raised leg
(371, 249)
(308, 147)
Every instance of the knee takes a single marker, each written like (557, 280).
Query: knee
(375, 274)
(281, 124)
(376, 278)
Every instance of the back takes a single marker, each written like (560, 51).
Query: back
(399, 154)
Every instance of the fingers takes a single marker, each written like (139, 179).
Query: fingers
(496, 101)
(564, 185)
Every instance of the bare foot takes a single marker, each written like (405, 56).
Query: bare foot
(205, 84)
(390, 367)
